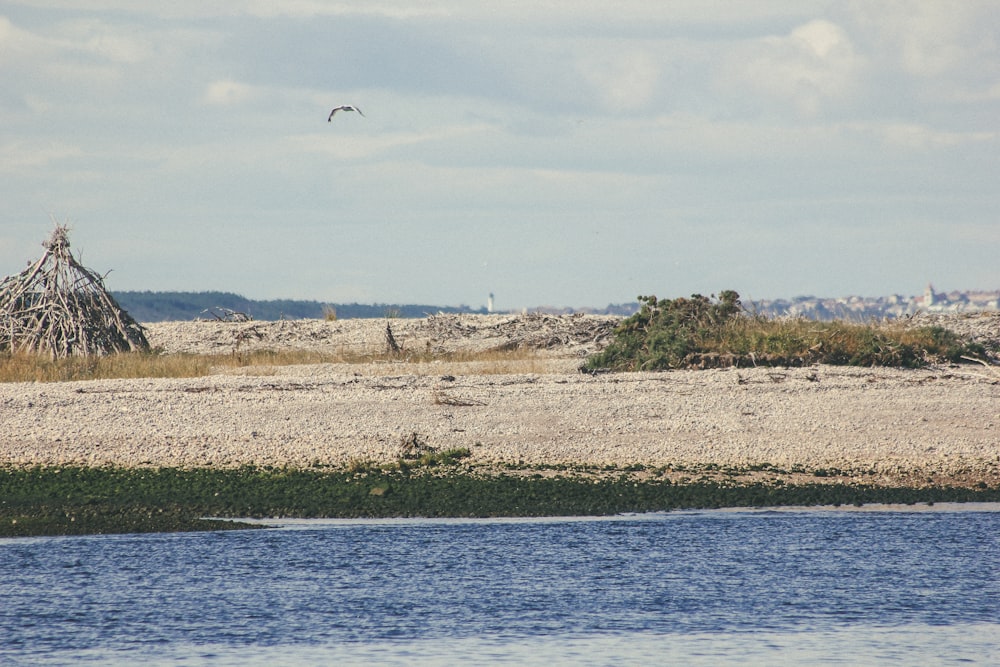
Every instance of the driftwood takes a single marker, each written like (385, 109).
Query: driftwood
(221, 314)
(392, 347)
(59, 307)
(414, 445)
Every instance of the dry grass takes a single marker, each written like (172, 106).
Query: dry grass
(788, 340)
(42, 368)
(26, 367)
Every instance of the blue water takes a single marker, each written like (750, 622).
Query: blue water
(717, 587)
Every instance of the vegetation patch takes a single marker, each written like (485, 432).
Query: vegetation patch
(31, 367)
(77, 500)
(707, 332)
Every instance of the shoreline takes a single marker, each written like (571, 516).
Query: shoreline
(914, 508)
(82, 500)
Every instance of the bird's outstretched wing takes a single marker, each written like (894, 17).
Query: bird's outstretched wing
(343, 107)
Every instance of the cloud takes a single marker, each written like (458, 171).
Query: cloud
(96, 62)
(86, 38)
(404, 9)
(227, 93)
(928, 39)
(623, 80)
(18, 155)
(357, 146)
(813, 66)
(921, 137)
(109, 42)
(17, 42)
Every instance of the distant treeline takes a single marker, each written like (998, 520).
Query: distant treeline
(181, 306)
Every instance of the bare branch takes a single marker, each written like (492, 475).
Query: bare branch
(61, 307)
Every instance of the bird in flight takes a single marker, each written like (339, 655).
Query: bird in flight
(343, 107)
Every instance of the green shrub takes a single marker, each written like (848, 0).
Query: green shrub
(705, 332)
(663, 334)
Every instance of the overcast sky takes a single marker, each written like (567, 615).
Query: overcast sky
(555, 153)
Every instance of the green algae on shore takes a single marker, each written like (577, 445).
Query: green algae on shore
(82, 500)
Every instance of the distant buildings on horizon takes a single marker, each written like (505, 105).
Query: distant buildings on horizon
(846, 307)
(883, 307)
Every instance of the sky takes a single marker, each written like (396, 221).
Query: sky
(570, 154)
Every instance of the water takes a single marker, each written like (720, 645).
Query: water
(719, 587)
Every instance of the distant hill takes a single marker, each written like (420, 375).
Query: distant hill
(183, 306)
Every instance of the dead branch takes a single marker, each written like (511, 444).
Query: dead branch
(221, 314)
(390, 341)
(414, 445)
(990, 368)
(59, 307)
(441, 398)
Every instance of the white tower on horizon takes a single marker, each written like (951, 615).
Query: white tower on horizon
(489, 303)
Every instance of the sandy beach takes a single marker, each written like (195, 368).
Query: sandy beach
(887, 426)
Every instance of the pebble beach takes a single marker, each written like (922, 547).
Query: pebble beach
(938, 425)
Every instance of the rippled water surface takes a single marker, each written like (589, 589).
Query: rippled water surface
(834, 587)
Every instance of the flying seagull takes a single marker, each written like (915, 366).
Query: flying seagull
(344, 107)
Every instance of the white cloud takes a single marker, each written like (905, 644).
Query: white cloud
(921, 137)
(928, 39)
(369, 145)
(309, 8)
(113, 43)
(16, 42)
(624, 79)
(86, 60)
(526, 11)
(18, 155)
(814, 65)
(82, 37)
(227, 93)
(197, 9)
(987, 93)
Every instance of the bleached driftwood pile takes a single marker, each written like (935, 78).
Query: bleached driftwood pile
(60, 307)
